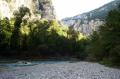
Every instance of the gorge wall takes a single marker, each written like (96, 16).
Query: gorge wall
(88, 22)
(38, 8)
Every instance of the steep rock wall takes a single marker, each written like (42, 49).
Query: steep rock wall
(38, 8)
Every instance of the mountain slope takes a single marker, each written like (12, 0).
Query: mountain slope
(87, 22)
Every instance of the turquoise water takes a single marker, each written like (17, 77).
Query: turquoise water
(26, 63)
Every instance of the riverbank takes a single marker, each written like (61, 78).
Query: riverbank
(62, 70)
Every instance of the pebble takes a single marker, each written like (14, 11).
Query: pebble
(62, 70)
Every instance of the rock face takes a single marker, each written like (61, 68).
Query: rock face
(86, 27)
(46, 9)
(41, 8)
(87, 22)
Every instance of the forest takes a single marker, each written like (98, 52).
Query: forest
(23, 38)
(26, 39)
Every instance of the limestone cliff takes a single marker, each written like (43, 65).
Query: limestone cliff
(88, 22)
(38, 8)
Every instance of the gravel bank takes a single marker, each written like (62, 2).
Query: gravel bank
(61, 70)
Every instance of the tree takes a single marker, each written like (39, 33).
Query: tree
(104, 44)
(16, 35)
(5, 34)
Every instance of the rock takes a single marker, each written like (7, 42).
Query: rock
(62, 70)
(23, 63)
(88, 22)
(42, 8)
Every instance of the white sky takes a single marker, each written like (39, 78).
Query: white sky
(68, 8)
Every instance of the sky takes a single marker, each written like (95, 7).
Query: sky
(68, 8)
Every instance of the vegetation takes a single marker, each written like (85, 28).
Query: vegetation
(38, 38)
(42, 38)
(104, 44)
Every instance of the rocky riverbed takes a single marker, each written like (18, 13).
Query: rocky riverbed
(59, 70)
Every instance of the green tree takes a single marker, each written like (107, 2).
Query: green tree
(5, 33)
(104, 44)
(16, 35)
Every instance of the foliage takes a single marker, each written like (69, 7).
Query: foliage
(5, 34)
(16, 34)
(39, 37)
(105, 45)
(51, 39)
(43, 38)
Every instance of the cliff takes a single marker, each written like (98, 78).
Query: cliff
(87, 22)
(38, 8)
